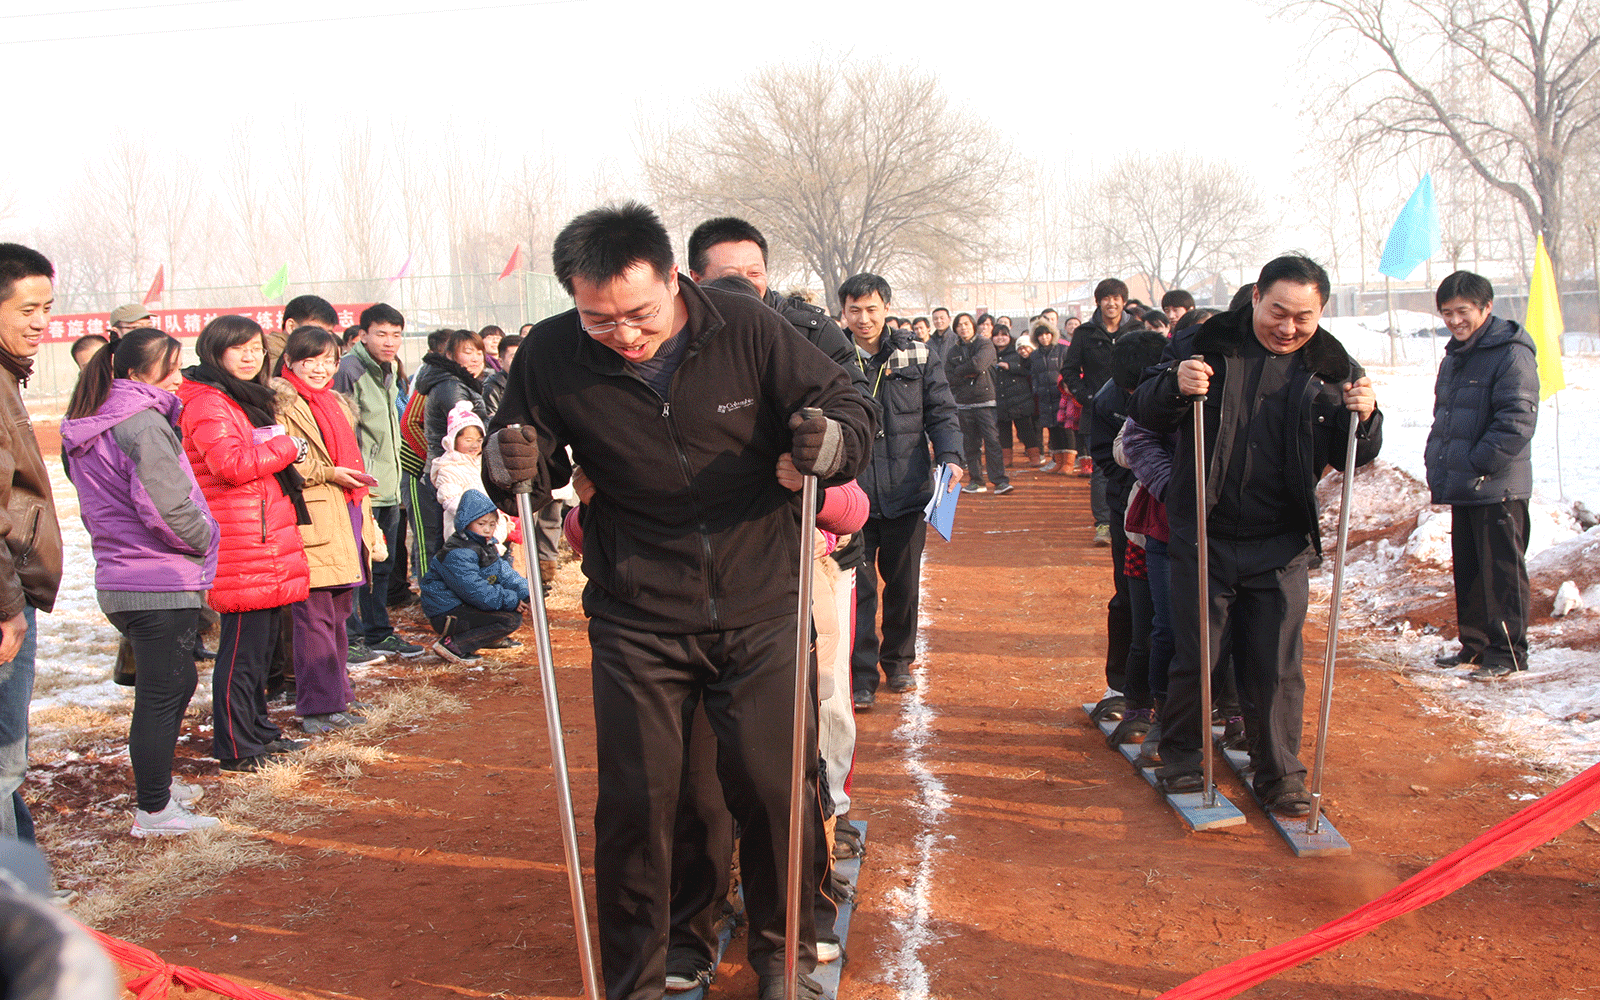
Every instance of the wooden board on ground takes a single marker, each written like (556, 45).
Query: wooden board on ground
(1190, 806)
(1295, 830)
(850, 871)
(827, 975)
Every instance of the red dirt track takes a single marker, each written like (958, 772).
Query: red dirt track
(1052, 871)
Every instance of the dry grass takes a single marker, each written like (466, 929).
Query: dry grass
(120, 876)
(137, 875)
(76, 728)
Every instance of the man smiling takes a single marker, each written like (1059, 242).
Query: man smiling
(1279, 394)
(676, 402)
(30, 559)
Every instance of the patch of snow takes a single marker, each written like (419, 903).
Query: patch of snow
(1430, 541)
(1568, 600)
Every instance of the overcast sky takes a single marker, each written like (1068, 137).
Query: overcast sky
(1078, 80)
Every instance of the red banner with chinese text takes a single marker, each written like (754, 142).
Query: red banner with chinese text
(182, 322)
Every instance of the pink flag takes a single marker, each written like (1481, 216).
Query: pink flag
(405, 269)
(512, 264)
(157, 286)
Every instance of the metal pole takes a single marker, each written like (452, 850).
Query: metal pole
(797, 759)
(1203, 591)
(1314, 823)
(558, 749)
(1394, 333)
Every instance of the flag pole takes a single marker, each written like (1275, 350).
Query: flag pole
(1394, 334)
(1561, 489)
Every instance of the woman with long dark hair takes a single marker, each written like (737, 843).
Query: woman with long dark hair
(155, 550)
(244, 462)
(341, 532)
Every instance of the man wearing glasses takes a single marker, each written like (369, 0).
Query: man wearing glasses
(677, 402)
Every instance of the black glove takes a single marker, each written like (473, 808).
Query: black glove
(818, 448)
(512, 456)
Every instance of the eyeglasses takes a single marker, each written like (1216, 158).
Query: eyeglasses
(632, 322)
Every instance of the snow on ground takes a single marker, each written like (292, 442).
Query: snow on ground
(77, 645)
(1550, 716)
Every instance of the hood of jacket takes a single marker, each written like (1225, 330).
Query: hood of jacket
(1322, 355)
(126, 398)
(437, 368)
(473, 505)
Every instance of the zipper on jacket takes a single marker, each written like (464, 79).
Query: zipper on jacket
(705, 540)
(33, 539)
(263, 518)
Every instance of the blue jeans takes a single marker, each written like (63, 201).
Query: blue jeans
(16, 692)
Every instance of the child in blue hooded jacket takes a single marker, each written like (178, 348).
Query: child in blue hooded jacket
(471, 594)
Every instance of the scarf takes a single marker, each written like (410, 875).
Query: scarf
(256, 400)
(19, 367)
(337, 434)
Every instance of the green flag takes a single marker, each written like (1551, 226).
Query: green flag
(277, 284)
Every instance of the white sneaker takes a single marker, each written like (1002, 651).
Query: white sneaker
(827, 951)
(173, 821)
(185, 793)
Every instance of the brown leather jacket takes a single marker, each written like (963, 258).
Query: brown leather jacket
(30, 561)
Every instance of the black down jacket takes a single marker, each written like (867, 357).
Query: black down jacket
(1485, 406)
(1044, 368)
(1013, 386)
(967, 365)
(908, 382)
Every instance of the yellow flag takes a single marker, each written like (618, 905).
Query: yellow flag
(1544, 323)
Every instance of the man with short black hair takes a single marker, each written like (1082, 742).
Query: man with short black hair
(921, 328)
(939, 340)
(908, 381)
(1175, 303)
(30, 559)
(368, 376)
(1280, 393)
(1087, 368)
(677, 401)
(1479, 461)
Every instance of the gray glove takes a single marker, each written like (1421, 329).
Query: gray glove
(512, 456)
(818, 448)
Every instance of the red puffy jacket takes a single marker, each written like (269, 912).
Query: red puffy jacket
(262, 563)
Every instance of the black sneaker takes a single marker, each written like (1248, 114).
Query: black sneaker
(1233, 735)
(862, 701)
(1285, 796)
(772, 988)
(1456, 659)
(901, 683)
(360, 655)
(1492, 672)
(1132, 729)
(397, 646)
(1003, 489)
(1110, 709)
(284, 745)
(1182, 781)
(687, 969)
(243, 765)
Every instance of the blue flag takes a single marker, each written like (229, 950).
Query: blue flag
(1415, 234)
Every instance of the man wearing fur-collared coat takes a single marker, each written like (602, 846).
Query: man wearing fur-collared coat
(1279, 393)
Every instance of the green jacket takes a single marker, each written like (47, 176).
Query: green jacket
(374, 393)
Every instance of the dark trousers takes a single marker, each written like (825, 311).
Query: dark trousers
(1136, 676)
(400, 562)
(645, 686)
(1488, 545)
(427, 522)
(1063, 439)
(1099, 506)
(702, 841)
(163, 646)
(240, 727)
(370, 620)
(982, 440)
(891, 549)
(469, 629)
(321, 651)
(1155, 562)
(1027, 429)
(1119, 615)
(1258, 588)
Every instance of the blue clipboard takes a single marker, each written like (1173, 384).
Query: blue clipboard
(941, 510)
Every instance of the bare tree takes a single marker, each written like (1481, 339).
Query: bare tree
(302, 206)
(358, 197)
(1507, 83)
(247, 193)
(851, 167)
(1175, 217)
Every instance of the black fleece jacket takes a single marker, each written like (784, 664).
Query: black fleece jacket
(1319, 417)
(689, 530)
